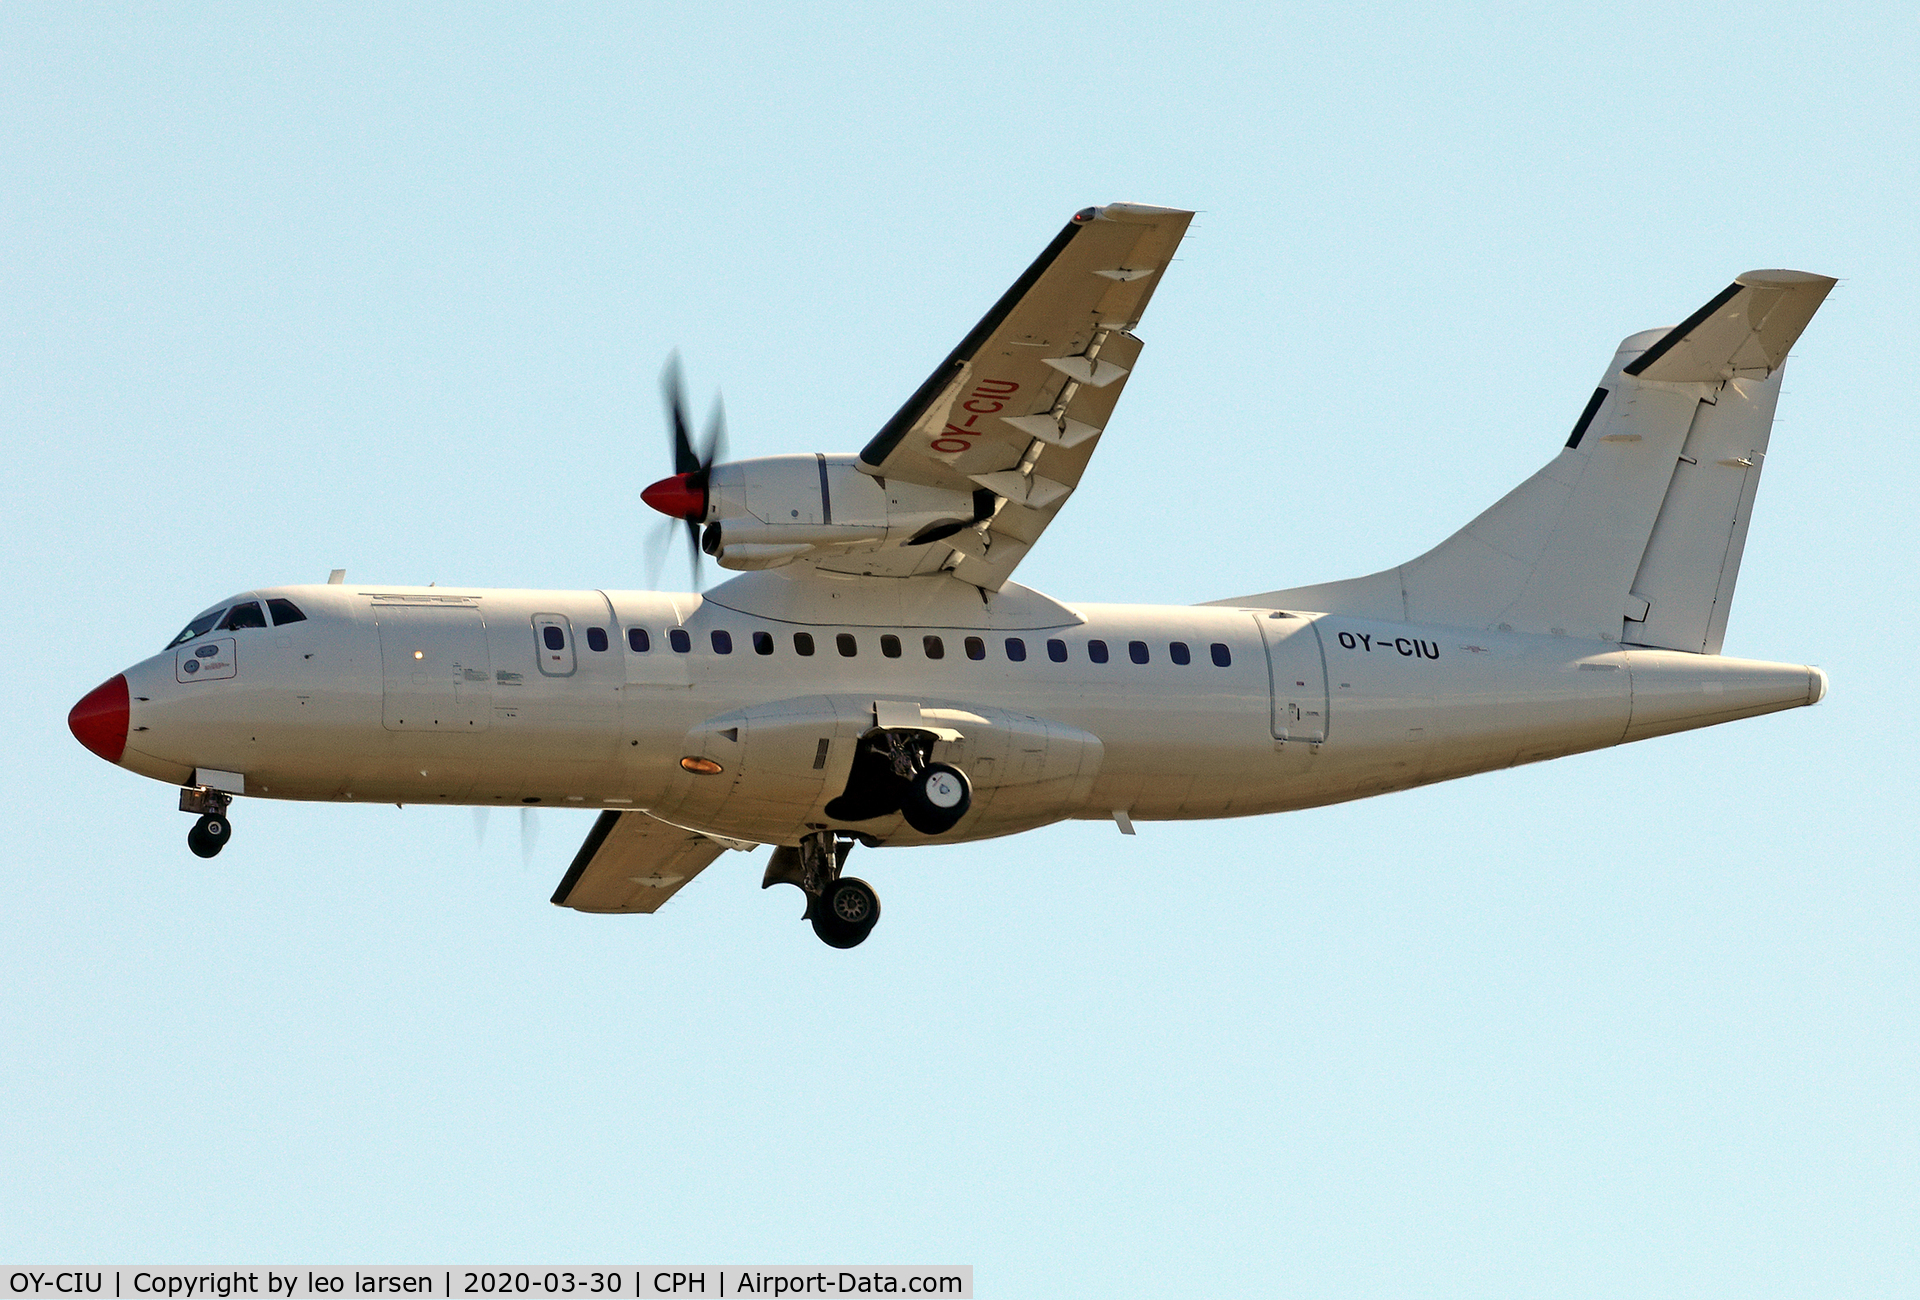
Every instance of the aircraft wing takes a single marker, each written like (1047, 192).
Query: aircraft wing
(1014, 412)
(633, 863)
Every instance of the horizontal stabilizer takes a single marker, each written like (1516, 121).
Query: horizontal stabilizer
(1745, 331)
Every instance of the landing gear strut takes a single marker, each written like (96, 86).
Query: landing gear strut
(211, 833)
(842, 909)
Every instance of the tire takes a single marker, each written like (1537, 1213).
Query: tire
(845, 914)
(935, 800)
(209, 835)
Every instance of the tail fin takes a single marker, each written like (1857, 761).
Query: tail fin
(1634, 531)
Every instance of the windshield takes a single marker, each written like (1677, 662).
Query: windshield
(199, 627)
(245, 614)
(231, 614)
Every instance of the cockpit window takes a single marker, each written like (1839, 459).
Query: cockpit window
(246, 614)
(284, 611)
(199, 627)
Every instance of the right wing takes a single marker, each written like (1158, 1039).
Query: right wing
(633, 863)
(1016, 409)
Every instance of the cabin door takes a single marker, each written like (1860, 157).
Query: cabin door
(1297, 669)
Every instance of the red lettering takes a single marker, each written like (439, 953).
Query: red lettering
(985, 399)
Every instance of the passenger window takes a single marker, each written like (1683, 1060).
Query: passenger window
(722, 641)
(1057, 650)
(596, 639)
(890, 646)
(638, 641)
(677, 638)
(933, 647)
(1178, 652)
(1097, 651)
(245, 614)
(199, 627)
(1137, 651)
(554, 637)
(1016, 649)
(763, 643)
(1222, 657)
(976, 648)
(803, 643)
(848, 646)
(284, 611)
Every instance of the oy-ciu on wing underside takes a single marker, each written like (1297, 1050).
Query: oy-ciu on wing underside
(1013, 414)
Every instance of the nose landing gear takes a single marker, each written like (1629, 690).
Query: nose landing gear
(842, 909)
(211, 833)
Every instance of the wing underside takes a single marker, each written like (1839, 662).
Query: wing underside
(633, 863)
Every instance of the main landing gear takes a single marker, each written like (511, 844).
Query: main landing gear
(211, 833)
(842, 909)
(892, 773)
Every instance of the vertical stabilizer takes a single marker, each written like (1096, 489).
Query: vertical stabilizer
(1634, 531)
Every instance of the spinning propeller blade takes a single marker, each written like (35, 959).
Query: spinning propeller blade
(684, 494)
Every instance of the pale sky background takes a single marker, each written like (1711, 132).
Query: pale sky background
(389, 287)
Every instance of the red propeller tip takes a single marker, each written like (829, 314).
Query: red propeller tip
(678, 497)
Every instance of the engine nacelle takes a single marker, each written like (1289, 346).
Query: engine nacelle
(772, 510)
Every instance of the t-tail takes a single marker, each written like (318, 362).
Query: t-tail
(1633, 533)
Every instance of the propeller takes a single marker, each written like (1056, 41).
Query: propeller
(529, 831)
(683, 495)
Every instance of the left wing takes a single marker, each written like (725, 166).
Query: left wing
(633, 863)
(1013, 414)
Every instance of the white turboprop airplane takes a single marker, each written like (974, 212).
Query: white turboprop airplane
(875, 676)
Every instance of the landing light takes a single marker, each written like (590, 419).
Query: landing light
(419, 654)
(703, 766)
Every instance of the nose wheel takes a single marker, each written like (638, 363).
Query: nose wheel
(211, 833)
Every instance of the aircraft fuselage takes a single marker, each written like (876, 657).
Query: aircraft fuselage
(592, 699)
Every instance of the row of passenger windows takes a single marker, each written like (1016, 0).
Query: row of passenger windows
(849, 646)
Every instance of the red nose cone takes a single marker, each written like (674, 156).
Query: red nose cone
(679, 497)
(99, 720)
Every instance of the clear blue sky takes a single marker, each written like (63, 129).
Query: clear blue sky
(388, 287)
